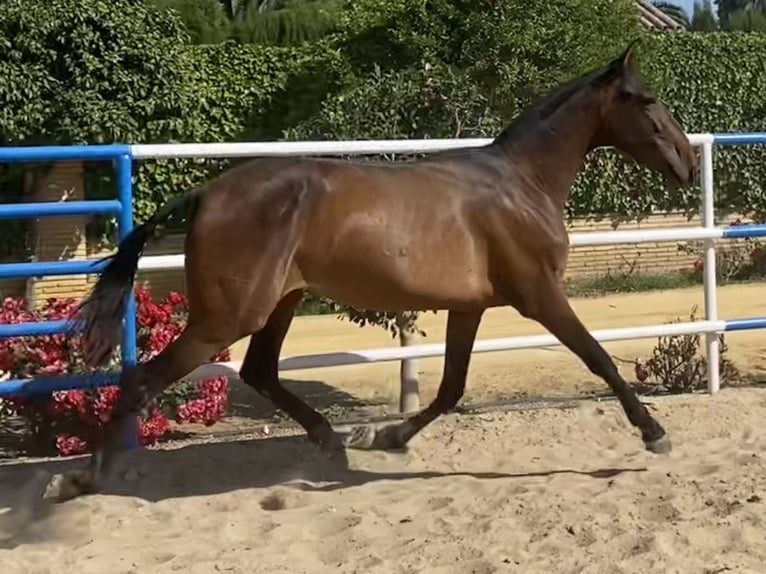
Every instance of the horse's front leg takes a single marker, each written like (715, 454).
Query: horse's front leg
(548, 305)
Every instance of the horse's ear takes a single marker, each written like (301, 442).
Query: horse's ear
(626, 62)
(623, 66)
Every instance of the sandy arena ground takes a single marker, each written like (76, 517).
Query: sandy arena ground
(527, 491)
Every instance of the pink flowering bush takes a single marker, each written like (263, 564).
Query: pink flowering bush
(68, 421)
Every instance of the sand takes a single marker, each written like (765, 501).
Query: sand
(543, 491)
(527, 491)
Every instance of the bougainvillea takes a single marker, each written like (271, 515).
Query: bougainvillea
(68, 421)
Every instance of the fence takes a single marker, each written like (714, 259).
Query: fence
(123, 155)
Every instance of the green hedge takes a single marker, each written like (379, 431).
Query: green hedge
(121, 71)
(233, 87)
(713, 82)
(85, 71)
(466, 69)
(94, 71)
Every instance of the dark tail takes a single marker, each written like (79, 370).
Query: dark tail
(99, 317)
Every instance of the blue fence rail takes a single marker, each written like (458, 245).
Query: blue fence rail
(122, 207)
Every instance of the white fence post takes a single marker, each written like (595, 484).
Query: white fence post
(709, 274)
(409, 385)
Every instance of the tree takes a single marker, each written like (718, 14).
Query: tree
(674, 11)
(727, 9)
(283, 22)
(206, 21)
(750, 20)
(703, 19)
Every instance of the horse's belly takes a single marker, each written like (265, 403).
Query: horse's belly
(395, 283)
(402, 251)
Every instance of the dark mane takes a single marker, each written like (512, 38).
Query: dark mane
(549, 104)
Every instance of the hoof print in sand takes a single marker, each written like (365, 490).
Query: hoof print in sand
(283, 499)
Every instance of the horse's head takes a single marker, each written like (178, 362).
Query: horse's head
(637, 124)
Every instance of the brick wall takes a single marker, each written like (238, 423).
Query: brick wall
(54, 238)
(648, 258)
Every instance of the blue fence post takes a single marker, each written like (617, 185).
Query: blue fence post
(125, 226)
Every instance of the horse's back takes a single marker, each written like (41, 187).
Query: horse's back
(370, 235)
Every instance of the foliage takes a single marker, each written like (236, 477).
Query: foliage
(615, 282)
(233, 87)
(86, 71)
(703, 19)
(392, 322)
(89, 71)
(285, 22)
(727, 9)
(448, 73)
(748, 21)
(432, 101)
(206, 21)
(491, 45)
(267, 23)
(676, 365)
(69, 420)
(692, 73)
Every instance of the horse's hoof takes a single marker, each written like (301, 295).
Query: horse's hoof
(659, 446)
(67, 486)
(368, 438)
(361, 437)
(335, 451)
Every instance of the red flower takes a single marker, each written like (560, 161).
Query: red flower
(153, 428)
(70, 445)
(75, 417)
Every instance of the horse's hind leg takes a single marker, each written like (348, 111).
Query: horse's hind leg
(260, 370)
(139, 385)
(461, 333)
(552, 310)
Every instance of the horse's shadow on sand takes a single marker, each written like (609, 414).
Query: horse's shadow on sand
(216, 468)
(220, 467)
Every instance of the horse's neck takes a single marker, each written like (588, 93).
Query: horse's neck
(550, 154)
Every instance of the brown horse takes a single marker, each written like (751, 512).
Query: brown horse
(462, 230)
